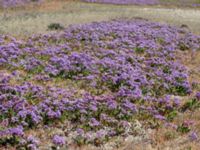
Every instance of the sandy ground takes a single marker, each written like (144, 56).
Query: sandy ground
(35, 19)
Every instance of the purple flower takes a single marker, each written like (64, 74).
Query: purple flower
(80, 131)
(18, 131)
(193, 136)
(188, 123)
(33, 140)
(93, 122)
(100, 133)
(174, 126)
(112, 104)
(130, 106)
(198, 96)
(160, 117)
(59, 140)
(177, 101)
(32, 147)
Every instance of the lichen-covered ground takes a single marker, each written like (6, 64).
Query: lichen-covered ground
(117, 84)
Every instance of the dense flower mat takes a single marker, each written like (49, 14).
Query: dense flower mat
(13, 3)
(139, 2)
(93, 80)
(148, 2)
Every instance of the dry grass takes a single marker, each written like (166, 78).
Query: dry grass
(34, 19)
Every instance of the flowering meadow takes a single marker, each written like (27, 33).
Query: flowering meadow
(138, 2)
(91, 82)
(148, 2)
(13, 3)
(193, 3)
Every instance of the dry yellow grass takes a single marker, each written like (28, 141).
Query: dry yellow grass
(35, 19)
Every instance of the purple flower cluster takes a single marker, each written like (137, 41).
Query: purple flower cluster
(146, 2)
(193, 136)
(59, 140)
(198, 96)
(16, 131)
(138, 2)
(95, 76)
(14, 3)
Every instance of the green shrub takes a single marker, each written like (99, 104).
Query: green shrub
(55, 26)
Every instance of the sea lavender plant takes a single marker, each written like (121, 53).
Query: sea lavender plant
(58, 140)
(98, 77)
